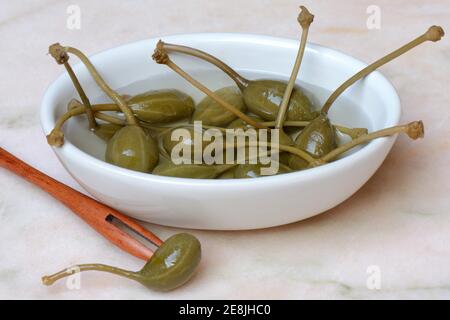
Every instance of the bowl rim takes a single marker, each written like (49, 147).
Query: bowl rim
(70, 150)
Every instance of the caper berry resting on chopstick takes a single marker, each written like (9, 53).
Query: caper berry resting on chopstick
(143, 132)
(170, 266)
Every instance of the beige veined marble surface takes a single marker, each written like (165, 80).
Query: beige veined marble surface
(397, 226)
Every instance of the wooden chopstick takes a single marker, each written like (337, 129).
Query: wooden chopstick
(91, 211)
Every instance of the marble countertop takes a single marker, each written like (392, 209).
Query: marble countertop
(389, 240)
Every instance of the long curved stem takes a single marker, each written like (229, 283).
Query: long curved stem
(414, 130)
(81, 109)
(352, 132)
(56, 136)
(161, 57)
(73, 104)
(82, 94)
(298, 152)
(62, 57)
(240, 81)
(109, 118)
(434, 33)
(287, 123)
(305, 19)
(49, 280)
(277, 147)
(117, 98)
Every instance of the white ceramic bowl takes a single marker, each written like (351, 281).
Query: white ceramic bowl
(226, 204)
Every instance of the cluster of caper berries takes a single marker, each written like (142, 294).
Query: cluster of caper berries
(141, 139)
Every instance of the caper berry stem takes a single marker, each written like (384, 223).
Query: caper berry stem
(274, 149)
(73, 104)
(63, 57)
(49, 280)
(117, 98)
(166, 128)
(240, 81)
(352, 132)
(305, 18)
(161, 57)
(298, 152)
(56, 136)
(434, 33)
(413, 129)
(84, 98)
(287, 123)
(109, 118)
